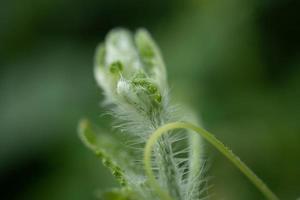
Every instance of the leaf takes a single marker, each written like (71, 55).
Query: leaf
(115, 155)
(105, 147)
(151, 57)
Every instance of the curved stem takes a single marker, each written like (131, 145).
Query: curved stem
(212, 140)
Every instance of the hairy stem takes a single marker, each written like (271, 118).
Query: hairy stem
(212, 140)
(169, 171)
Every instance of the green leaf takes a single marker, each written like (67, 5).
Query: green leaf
(105, 147)
(151, 57)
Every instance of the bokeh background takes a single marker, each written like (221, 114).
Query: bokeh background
(236, 63)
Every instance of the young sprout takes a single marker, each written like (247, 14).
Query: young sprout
(158, 158)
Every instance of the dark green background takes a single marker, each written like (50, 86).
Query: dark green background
(236, 63)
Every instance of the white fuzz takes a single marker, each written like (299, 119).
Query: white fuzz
(132, 74)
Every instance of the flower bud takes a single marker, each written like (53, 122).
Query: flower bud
(130, 69)
(151, 57)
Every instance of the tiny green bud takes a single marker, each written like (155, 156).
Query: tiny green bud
(106, 162)
(116, 67)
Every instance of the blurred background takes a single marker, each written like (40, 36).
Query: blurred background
(235, 63)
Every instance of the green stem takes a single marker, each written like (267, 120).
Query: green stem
(212, 140)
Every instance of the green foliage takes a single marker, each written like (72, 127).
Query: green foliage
(131, 72)
(105, 148)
